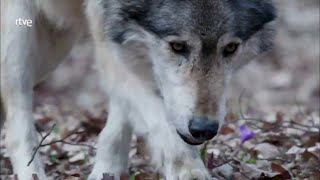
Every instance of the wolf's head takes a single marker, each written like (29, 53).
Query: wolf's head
(194, 47)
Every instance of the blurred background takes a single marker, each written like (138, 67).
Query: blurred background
(281, 91)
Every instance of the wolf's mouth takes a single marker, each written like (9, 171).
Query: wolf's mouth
(190, 140)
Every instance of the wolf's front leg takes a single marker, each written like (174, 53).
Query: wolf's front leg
(113, 144)
(18, 51)
(176, 159)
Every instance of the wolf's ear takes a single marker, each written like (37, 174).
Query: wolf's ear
(251, 16)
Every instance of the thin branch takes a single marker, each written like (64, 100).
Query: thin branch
(69, 143)
(41, 144)
(241, 111)
(240, 105)
(37, 148)
(56, 141)
(223, 163)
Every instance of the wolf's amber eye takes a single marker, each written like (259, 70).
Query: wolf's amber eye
(230, 49)
(179, 47)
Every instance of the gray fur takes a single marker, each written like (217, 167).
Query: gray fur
(208, 18)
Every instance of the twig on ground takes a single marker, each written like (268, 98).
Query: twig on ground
(41, 144)
(37, 148)
(241, 111)
(69, 143)
(223, 163)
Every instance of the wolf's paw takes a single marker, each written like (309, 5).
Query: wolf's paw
(100, 169)
(30, 172)
(31, 175)
(93, 176)
(188, 169)
(23, 169)
(194, 174)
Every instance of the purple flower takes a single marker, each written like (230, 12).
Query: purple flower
(245, 134)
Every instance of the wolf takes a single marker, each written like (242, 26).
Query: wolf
(164, 65)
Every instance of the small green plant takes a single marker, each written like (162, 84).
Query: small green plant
(203, 152)
(54, 158)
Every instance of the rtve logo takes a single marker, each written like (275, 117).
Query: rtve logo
(24, 22)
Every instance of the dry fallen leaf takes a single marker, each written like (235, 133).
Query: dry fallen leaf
(227, 130)
(266, 150)
(252, 172)
(295, 150)
(226, 171)
(284, 174)
(78, 157)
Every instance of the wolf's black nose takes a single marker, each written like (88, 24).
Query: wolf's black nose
(203, 128)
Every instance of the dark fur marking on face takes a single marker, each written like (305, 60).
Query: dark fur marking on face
(166, 17)
(154, 16)
(118, 36)
(209, 18)
(251, 16)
